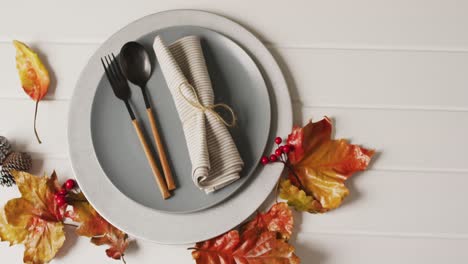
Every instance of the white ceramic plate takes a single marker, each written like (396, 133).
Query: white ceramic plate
(137, 219)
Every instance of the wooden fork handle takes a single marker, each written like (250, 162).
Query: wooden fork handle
(162, 153)
(157, 174)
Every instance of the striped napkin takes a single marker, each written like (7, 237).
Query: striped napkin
(215, 159)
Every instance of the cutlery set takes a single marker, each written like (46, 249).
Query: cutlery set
(134, 65)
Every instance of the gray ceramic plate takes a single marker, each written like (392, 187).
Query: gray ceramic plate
(236, 81)
(142, 221)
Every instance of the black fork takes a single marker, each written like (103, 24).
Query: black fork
(121, 89)
(118, 81)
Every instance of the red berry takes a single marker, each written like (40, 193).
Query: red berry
(278, 152)
(60, 199)
(70, 184)
(287, 148)
(62, 192)
(273, 158)
(278, 140)
(265, 160)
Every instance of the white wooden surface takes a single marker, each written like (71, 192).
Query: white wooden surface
(392, 74)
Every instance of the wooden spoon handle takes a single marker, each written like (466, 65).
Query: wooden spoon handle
(157, 174)
(162, 154)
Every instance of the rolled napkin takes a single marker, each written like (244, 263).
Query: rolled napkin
(215, 159)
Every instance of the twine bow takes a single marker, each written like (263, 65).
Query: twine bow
(209, 108)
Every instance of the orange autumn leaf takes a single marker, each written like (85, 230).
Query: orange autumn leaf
(260, 241)
(97, 228)
(265, 248)
(34, 219)
(321, 165)
(277, 219)
(217, 250)
(33, 75)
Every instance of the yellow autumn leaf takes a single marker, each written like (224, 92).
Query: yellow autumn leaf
(13, 234)
(298, 198)
(33, 75)
(43, 241)
(34, 219)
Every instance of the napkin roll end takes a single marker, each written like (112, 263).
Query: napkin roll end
(209, 184)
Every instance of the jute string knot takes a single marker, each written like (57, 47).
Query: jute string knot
(208, 108)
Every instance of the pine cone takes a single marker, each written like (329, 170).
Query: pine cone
(15, 161)
(5, 149)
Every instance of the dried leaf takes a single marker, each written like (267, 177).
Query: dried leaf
(97, 228)
(261, 241)
(39, 191)
(33, 75)
(217, 250)
(298, 198)
(321, 165)
(13, 234)
(32, 72)
(277, 219)
(43, 241)
(267, 249)
(35, 219)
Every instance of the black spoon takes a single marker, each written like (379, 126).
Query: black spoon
(136, 66)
